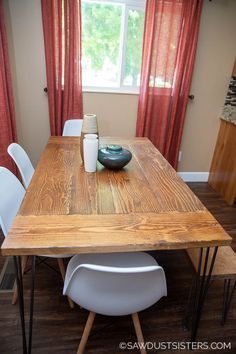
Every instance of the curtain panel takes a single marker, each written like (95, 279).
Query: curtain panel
(62, 38)
(169, 47)
(7, 111)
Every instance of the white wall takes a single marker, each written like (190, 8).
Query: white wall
(29, 76)
(117, 112)
(213, 67)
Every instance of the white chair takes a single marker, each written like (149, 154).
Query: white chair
(11, 196)
(22, 161)
(114, 284)
(72, 127)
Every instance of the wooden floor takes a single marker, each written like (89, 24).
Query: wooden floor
(57, 328)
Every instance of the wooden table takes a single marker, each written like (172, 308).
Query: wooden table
(145, 206)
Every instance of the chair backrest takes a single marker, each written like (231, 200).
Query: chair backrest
(115, 290)
(11, 195)
(72, 127)
(22, 161)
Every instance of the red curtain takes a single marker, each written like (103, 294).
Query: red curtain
(62, 38)
(7, 112)
(170, 40)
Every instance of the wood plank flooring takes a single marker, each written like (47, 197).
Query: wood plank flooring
(57, 328)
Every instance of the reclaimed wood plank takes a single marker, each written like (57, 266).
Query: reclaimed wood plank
(225, 263)
(148, 183)
(113, 233)
(144, 206)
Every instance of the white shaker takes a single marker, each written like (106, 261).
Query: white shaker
(90, 147)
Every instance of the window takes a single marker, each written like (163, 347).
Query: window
(112, 34)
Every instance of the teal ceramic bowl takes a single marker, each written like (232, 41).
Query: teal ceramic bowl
(114, 157)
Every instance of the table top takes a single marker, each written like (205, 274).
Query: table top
(144, 206)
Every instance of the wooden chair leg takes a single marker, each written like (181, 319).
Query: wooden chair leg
(63, 273)
(86, 332)
(24, 260)
(138, 331)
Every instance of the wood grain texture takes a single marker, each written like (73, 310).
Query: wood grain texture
(225, 264)
(58, 330)
(142, 207)
(113, 233)
(222, 176)
(147, 184)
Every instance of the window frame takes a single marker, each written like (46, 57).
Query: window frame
(121, 89)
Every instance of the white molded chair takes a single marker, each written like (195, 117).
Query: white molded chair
(114, 284)
(11, 196)
(72, 127)
(22, 161)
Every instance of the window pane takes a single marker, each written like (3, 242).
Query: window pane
(101, 43)
(133, 53)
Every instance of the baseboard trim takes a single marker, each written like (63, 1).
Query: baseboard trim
(194, 176)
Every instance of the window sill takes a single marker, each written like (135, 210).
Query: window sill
(110, 91)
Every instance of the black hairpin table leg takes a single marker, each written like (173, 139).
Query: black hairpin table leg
(31, 304)
(20, 289)
(228, 295)
(202, 284)
(189, 307)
